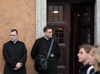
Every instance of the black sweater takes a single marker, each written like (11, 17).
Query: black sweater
(83, 69)
(98, 72)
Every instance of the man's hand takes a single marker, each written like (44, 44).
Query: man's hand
(18, 65)
(15, 69)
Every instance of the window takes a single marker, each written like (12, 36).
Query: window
(86, 25)
(55, 13)
(58, 34)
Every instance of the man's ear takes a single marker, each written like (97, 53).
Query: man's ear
(17, 36)
(44, 33)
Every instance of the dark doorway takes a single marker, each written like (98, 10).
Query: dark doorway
(73, 25)
(82, 30)
(58, 15)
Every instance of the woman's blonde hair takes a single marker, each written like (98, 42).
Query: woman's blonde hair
(96, 52)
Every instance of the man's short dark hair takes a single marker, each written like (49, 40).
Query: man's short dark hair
(45, 28)
(14, 30)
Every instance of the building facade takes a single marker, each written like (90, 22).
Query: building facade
(74, 22)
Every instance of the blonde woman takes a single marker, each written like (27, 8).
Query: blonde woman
(83, 59)
(94, 59)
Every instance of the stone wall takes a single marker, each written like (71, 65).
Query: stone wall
(97, 22)
(41, 17)
(20, 15)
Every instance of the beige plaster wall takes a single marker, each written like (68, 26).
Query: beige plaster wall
(21, 15)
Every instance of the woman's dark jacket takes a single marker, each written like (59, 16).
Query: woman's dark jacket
(98, 72)
(83, 69)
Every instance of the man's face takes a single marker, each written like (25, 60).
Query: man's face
(48, 33)
(82, 55)
(13, 36)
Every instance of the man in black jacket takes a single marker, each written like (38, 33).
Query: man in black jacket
(41, 47)
(15, 55)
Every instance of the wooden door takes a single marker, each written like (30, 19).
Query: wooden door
(82, 30)
(58, 16)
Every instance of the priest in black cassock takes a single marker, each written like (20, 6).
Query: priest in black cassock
(41, 47)
(15, 55)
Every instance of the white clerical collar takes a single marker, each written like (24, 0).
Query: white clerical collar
(46, 38)
(15, 42)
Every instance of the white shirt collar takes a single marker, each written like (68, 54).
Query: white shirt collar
(15, 42)
(46, 38)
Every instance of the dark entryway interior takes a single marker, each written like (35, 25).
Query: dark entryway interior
(73, 25)
(81, 30)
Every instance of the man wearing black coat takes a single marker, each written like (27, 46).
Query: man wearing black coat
(15, 55)
(41, 47)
